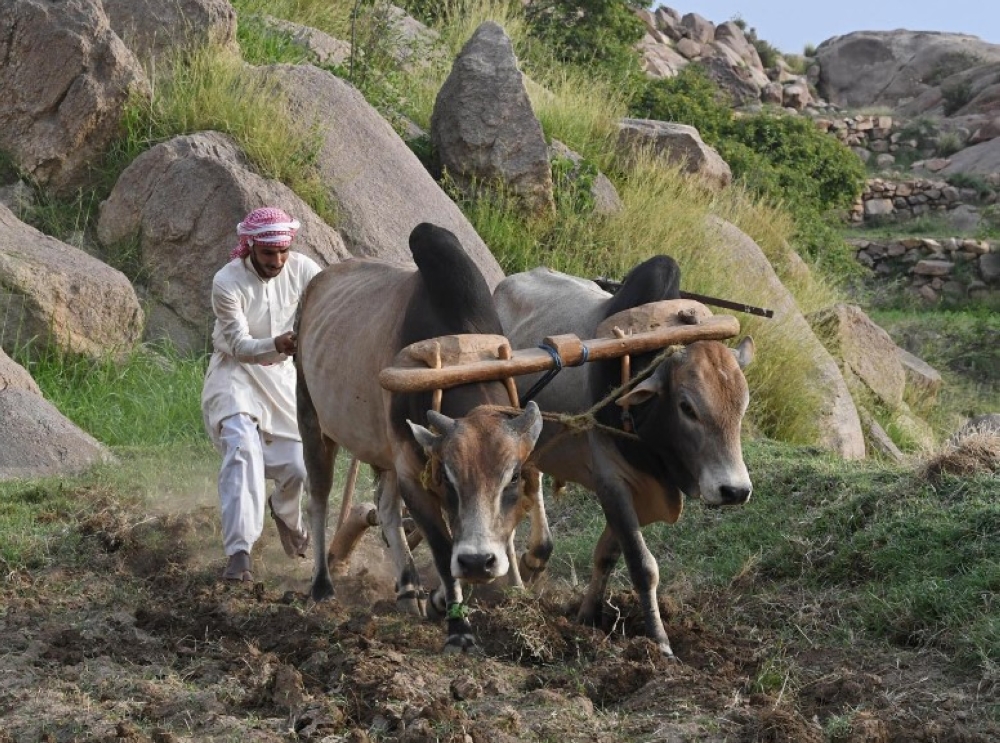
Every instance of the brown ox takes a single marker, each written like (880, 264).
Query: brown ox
(686, 417)
(354, 318)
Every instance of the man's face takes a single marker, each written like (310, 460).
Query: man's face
(268, 260)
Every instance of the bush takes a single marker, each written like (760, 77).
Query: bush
(689, 98)
(598, 33)
(955, 96)
(813, 169)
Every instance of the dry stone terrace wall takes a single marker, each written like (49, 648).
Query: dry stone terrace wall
(955, 267)
(889, 200)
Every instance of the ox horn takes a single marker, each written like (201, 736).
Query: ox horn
(529, 423)
(744, 352)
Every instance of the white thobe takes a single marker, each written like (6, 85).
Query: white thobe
(247, 377)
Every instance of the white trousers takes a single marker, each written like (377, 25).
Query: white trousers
(248, 460)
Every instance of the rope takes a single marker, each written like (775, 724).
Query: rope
(543, 382)
(577, 423)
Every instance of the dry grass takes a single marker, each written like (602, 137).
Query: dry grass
(972, 452)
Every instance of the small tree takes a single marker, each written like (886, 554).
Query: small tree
(589, 32)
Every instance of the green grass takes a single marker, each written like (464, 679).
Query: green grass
(963, 346)
(149, 399)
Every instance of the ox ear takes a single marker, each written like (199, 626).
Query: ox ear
(440, 421)
(528, 424)
(744, 352)
(642, 392)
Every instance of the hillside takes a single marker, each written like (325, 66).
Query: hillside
(851, 600)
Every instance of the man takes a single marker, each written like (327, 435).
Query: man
(248, 400)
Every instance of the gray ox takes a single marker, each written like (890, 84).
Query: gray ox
(686, 415)
(354, 317)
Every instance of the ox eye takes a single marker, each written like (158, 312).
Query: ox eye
(515, 477)
(688, 410)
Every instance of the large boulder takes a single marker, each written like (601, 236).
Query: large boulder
(983, 158)
(155, 29)
(53, 295)
(380, 188)
(36, 440)
(969, 93)
(483, 127)
(64, 77)
(179, 204)
(888, 68)
(866, 351)
(678, 144)
(838, 426)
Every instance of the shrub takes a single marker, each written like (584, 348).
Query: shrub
(809, 51)
(598, 33)
(955, 96)
(814, 170)
(948, 144)
(689, 98)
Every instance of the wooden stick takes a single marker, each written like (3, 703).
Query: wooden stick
(505, 354)
(611, 286)
(531, 360)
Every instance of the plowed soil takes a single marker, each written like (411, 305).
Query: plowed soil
(141, 642)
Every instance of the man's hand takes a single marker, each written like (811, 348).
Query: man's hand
(286, 343)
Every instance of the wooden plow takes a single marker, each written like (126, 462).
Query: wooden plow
(437, 364)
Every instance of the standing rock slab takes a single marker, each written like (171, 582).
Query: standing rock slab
(64, 77)
(866, 350)
(181, 202)
(382, 191)
(483, 127)
(53, 295)
(36, 440)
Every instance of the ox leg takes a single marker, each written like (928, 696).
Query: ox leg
(410, 595)
(641, 564)
(606, 555)
(427, 514)
(319, 453)
(534, 560)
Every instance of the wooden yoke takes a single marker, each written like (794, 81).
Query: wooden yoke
(478, 358)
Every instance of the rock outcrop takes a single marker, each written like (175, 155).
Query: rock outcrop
(64, 79)
(891, 68)
(36, 440)
(380, 189)
(53, 295)
(677, 144)
(483, 127)
(154, 30)
(838, 426)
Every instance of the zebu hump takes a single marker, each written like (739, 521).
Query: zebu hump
(543, 302)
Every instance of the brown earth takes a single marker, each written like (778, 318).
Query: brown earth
(139, 642)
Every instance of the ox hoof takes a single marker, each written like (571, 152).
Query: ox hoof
(666, 651)
(528, 573)
(461, 644)
(412, 602)
(322, 591)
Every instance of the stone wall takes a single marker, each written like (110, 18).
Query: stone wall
(890, 200)
(960, 268)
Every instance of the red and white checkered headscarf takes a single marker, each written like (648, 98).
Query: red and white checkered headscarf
(267, 226)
